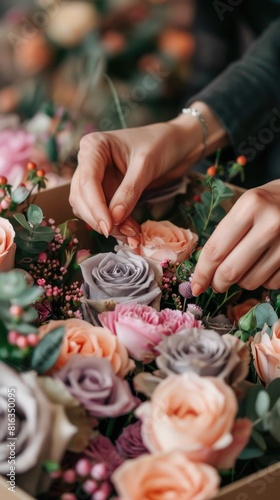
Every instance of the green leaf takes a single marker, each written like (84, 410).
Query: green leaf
(19, 195)
(51, 466)
(21, 219)
(64, 231)
(250, 402)
(262, 403)
(3, 329)
(30, 295)
(255, 448)
(47, 351)
(248, 323)
(12, 285)
(274, 421)
(34, 215)
(23, 328)
(274, 391)
(264, 314)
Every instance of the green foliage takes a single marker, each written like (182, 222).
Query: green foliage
(208, 211)
(47, 351)
(32, 238)
(254, 320)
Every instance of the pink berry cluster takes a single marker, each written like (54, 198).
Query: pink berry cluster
(14, 336)
(84, 478)
(170, 284)
(53, 272)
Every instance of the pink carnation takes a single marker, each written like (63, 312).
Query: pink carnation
(140, 328)
(15, 151)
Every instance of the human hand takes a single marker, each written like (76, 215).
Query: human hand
(245, 247)
(115, 167)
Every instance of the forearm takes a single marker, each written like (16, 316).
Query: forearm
(243, 96)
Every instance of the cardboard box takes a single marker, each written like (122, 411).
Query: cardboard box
(263, 484)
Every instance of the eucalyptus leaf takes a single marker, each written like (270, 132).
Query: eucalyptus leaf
(250, 410)
(34, 215)
(47, 351)
(28, 297)
(264, 314)
(262, 403)
(273, 390)
(274, 427)
(12, 284)
(21, 219)
(23, 328)
(19, 195)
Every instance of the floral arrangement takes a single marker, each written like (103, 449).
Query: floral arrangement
(121, 384)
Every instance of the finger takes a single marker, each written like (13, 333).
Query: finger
(273, 283)
(136, 179)
(263, 269)
(238, 262)
(225, 237)
(89, 200)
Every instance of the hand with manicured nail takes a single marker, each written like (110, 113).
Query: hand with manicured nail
(114, 168)
(245, 247)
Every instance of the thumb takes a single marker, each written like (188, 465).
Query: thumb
(128, 192)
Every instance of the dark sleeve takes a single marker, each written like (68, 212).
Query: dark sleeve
(244, 96)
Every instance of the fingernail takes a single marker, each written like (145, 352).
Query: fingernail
(127, 230)
(197, 289)
(102, 226)
(118, 213)
(133, 242)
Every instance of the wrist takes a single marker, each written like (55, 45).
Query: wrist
(204, 133)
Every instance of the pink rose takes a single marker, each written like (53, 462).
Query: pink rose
(141, 328)
(163, 240)
(189, 412)
(85, 339)
(266, 354)
(7, 245)
(166, 476)
(15, 151)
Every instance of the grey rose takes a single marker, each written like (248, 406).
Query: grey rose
(95, 385)
(41, 429)
(111, 278)
(204, 352)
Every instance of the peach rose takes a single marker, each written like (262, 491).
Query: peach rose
(190, 413)
(7, 245)
(85, 339)
(163, 240)
(234, 313)
(266, 353)
(168, 476)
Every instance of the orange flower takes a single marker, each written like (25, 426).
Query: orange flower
(190, 413)
(266, 354)
(82, 338)
(166, 476)
(234, 313)
(7, 245)
(163, 240)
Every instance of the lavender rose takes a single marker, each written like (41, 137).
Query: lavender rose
(111, 278)
(41, 429)
(93, 382)
(204, 352)
(130, 444)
